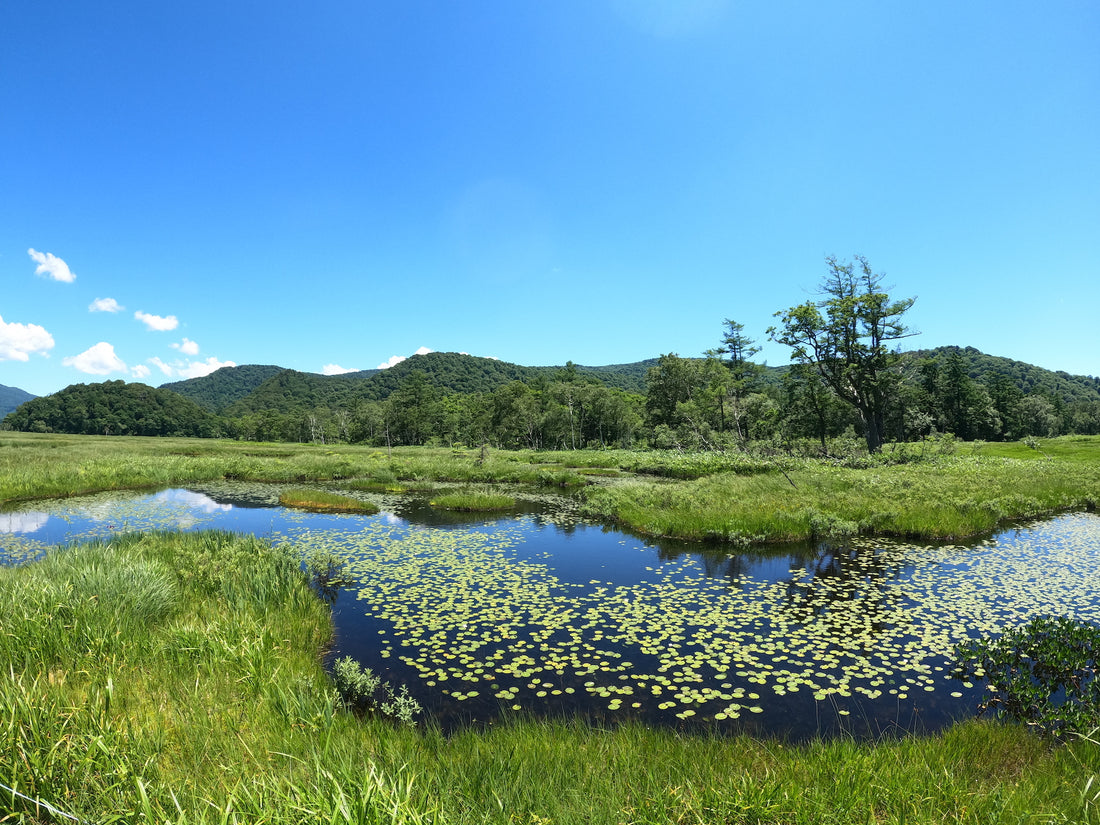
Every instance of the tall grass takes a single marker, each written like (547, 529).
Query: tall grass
(473, 500)
(727, 496)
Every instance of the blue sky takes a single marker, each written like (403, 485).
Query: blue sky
(332, 185)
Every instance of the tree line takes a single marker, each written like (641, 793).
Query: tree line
(847, 380)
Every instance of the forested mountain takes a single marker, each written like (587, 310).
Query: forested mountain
(114, 408)
(12, 397)
(290, 390)
(222, 387)
(1027, 378)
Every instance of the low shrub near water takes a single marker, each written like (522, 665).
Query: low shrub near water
(1044, 673)
(362, 688)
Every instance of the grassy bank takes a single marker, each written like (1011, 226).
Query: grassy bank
(176, 678)
(940, 498)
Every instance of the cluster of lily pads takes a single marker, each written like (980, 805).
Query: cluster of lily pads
(473, 617)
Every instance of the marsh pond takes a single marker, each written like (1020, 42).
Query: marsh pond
(540, 612)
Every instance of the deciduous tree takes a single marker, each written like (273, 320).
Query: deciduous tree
(846, 337)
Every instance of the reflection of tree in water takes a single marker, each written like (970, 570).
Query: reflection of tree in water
(845, 587)
(846, 590)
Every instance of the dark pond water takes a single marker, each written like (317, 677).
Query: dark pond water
(539, 612)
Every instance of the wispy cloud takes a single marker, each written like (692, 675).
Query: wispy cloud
(160, 365)
(188, 368)
(105, 305)
(18, 341)
(336, 369)
(140, 371)
(187, 347)
(397, 359)
(98, 360)
(197, 369)
(51, 266)
(157, 322)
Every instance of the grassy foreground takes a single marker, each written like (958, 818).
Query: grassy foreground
(176, 678)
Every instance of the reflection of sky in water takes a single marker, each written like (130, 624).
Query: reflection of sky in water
(866, 626)
(25, 522)
(26, 532)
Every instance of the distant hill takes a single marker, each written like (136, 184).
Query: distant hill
(237, 391)
(114, 408)
(12, 397)
(222, 387)
(1028, 378)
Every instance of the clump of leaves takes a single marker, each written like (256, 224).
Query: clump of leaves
(362, 688)
(1042, 673)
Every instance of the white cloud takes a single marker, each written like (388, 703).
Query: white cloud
(157, 322)
(160, 365)
(187, 347)
(140, 371)
(397, 359)
(336, 369)
(18, 341)
(105, 305)
(51, 266)
(99, 360)
(190, 369)
(197, 369)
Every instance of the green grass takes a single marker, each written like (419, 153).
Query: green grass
(473, 501)
(939, 498)
(308, 498)
(175, 678)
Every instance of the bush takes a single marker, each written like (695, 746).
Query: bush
(1043, 673)
(361, 688)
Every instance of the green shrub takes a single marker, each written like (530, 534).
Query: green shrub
(361, 688)
(1042, 673)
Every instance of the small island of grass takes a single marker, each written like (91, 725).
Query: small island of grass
(473, 501)
(322, 501)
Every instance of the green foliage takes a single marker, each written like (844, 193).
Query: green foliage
(217, 711)
(114, 408)
(846, 338)
(224, 386)
(361, 688)
(1043, 673)
(903, 493)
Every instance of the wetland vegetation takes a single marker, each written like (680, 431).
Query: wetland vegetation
(177, 676)
(323, 501)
